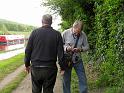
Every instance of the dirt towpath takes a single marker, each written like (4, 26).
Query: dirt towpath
(11, 77)
(25, 85)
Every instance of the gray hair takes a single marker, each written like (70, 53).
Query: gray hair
(77, 23)
(47, 19)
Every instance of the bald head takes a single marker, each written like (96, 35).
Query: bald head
(47, 19)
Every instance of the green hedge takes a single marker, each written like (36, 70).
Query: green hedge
(109, 24)
(104, 26)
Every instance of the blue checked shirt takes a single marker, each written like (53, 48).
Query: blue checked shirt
(69, 39)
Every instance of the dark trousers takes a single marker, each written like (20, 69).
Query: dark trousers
(43, 78)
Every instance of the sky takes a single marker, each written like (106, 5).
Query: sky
(26, 11)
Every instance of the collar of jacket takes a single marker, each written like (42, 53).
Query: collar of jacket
(46, 26)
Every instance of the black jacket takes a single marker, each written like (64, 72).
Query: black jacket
(43, 46)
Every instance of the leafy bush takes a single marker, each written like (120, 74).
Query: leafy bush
(104, 26)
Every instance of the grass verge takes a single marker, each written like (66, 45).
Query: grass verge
(26, 33)
(9, 65)
(13, 84)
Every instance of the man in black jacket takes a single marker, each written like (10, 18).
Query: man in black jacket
(44, 45)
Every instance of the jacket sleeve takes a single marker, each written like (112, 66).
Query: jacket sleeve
(28, 51)
(63, 38)
(60, 52)
(85, 45)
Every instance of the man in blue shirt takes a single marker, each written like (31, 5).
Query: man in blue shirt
(69, 38)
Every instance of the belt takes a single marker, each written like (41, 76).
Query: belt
(43, 66)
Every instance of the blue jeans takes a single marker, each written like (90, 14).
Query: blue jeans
(79, 68)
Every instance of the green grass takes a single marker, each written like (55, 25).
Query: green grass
(92, 74)
(13, 84)
(115, 90)
(20, 33)
(26, 33)
(9, 65)
(1, 32)
(74, 82)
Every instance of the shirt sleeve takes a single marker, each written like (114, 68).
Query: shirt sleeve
(85, 45)
(28, 50)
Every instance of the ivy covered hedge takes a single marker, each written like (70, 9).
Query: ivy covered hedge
(104, 25)
(109, 28)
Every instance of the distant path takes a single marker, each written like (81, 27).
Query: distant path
(58, 86)
(11, 54)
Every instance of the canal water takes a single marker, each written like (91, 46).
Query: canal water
(10, 54)
(8, 51)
